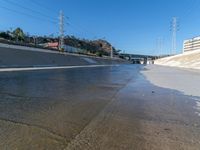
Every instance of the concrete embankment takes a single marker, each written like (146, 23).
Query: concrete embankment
(187, 60)
(12, 56)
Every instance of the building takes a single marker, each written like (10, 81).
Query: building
(191, 44)
(53, 45)
(71, 49)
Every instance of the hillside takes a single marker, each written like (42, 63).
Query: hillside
(186, 60)
(97, 47)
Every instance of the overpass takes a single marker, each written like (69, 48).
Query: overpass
(142, 59)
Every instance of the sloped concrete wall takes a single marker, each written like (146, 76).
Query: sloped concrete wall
(19, 56)
(186, 60)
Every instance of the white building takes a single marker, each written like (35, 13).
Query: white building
(71, 49)
(191, 44)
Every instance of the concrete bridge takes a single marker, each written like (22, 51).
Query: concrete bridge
(142, 59)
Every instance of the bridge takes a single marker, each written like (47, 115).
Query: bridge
(142, 59)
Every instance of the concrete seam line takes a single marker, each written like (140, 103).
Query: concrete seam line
(51, 68)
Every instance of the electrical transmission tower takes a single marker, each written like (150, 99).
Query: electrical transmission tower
(61, 42)
(174, 29)
(160, 43)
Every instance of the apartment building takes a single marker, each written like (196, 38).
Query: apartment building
(191, 44)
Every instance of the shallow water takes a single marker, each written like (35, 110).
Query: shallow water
(94, 108)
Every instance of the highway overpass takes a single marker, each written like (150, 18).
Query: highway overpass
(142, 59)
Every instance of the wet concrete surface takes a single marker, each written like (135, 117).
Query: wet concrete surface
(109, 108)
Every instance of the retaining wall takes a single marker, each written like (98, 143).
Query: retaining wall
(20, 56)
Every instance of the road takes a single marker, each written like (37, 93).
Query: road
(103, 108)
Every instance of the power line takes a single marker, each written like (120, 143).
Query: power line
(43, 6)
(25, 14)
(42, 15)
(73, 28)
(81, 29)
(66, 18)
(50, 10)
(190, 10)
(34, 11)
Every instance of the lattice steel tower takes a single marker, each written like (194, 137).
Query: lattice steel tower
(174, 28)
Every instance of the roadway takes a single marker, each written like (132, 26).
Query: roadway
(109, 108)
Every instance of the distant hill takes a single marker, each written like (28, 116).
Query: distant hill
(95, 47)
(186, 60)
(92, 46)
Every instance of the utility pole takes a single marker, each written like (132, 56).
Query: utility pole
(35, 40)
(111, 52)
(174, 28)
(61, 41)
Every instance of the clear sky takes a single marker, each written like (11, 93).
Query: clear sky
(131, 25)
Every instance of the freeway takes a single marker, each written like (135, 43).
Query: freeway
(112, 107)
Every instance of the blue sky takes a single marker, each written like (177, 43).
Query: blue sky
(131, 25)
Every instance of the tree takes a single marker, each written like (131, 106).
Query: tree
(99, 53)
(19, 34)
(4, 35)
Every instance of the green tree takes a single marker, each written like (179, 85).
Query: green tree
(19, 34)
(99, 53)
(4, 35)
